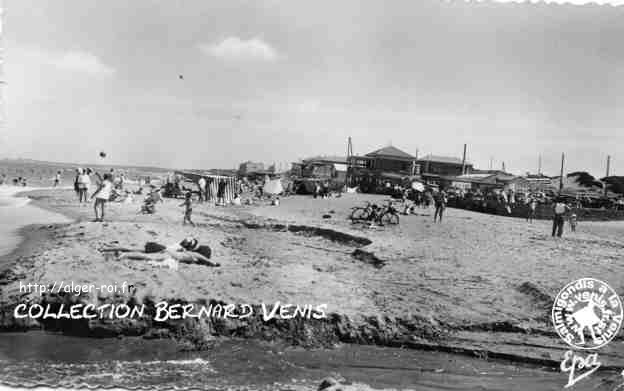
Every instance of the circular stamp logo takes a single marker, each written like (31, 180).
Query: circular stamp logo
(587, 314)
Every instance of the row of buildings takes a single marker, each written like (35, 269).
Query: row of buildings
(392, 165)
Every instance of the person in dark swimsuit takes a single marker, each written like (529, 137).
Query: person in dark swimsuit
(440, 205)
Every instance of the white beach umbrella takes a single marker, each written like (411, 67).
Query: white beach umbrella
(418, 186)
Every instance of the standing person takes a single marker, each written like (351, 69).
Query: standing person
(83, 186)
(77, 183)
(440, 203)
(559, 211)
(221, 193)
(188, 209)
(57, 178)
(202, 189)
(532, 207)
(102, 195)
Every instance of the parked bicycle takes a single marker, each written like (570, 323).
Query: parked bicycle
(372, 213)
(388, 215)
(360, 213)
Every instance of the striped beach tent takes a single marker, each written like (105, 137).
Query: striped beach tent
(212, 184)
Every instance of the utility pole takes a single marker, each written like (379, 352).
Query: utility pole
(491, 162)
(348, 177)
(561, 176)
(608, 166)
(464, 161)
(539, 165)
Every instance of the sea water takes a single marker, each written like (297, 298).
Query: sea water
(16, 212)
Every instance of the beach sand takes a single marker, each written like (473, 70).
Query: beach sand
(476, 284)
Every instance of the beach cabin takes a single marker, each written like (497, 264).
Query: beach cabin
(391, 160)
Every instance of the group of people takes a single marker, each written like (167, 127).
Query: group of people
(423, 199)
(20, 181)
(560, 211)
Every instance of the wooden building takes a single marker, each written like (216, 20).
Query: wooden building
(443, 166)
(391, 159)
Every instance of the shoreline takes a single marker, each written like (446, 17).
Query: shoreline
(30, 234)
(503, 340)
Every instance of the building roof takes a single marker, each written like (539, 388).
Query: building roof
(443, 159)
(392, 152)
(474, 178)
(326, 159)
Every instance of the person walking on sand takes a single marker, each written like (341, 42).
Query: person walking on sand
(559, 210)
(188, 209)
(532, 204)
(440, 203)
(102, 195)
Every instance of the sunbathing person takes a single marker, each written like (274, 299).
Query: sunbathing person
(180, 255)
(187, 251)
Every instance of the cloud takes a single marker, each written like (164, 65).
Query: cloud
(234, 48)
(82, 62)
(68, 61)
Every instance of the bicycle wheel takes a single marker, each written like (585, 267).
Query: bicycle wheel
(359, 214)
(390, 218)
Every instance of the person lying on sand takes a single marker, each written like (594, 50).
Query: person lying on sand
(190, 257)
(187, 251)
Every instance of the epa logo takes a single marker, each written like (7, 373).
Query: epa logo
(587, 314)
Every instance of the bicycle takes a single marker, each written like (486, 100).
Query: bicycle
(388, 215)
(360, 213)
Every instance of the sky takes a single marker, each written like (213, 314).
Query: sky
(210, 84)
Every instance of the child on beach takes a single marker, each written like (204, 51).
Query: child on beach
(57, 179)
(573, 222)
(102, 195)
(187, 204)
